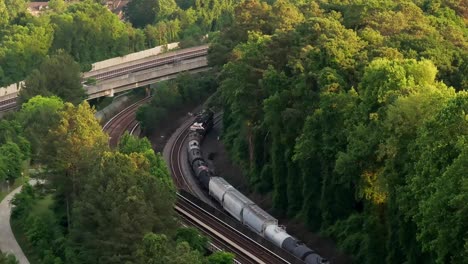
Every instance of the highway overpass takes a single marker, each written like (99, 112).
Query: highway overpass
(129, 72)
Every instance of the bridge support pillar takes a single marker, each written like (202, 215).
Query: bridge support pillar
(110, 93)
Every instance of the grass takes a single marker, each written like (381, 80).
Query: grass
(42, 206)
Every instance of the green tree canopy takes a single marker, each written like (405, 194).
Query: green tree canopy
(22, 49)
(130, 144)
(144, 12)
(7, 258)
(136, 203)
(10, 162)
(58, 75)
(38, 116)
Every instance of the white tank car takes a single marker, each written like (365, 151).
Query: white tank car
(257, 219)
(240, 206)
(218, 187)
(234, 202)
(276, 234)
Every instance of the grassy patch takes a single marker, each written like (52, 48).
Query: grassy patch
(41, 207)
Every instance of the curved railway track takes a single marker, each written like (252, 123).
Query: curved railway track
(123, 121)
(246, 250)
(222, 235)
(176, 163)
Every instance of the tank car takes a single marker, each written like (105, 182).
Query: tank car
(194, 140)
(194, 155)
(204, 178)
(199, 166)
(257, 219)
(281, 238)
(218, 187)
(234, 202)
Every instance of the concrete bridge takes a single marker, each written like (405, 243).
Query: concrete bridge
(129, 72)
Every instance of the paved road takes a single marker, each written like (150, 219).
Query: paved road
(8, 242)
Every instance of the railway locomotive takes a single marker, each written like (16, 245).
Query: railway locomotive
(237, 204)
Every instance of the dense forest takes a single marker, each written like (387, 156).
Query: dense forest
(354, 114)
(96, 205)
(89, 32)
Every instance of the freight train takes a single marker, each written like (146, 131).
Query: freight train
(234, 202)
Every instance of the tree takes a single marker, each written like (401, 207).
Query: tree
(89, 32)
(185, 4)
(140, 13)
(37, 117)
(130, 144)
(58, 75)
(15, 8)
(22, 49)
(193, 238)
(4, 16)
(286, 15)
(220, 257)
(57, 5)
(153, 250)
(435, 195)
(249, 16)
(73, 151)
(7, 259)
(128, 203)
(10, 162)
(144, 12)
(11, 131)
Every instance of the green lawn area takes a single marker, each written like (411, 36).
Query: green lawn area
(42, 206)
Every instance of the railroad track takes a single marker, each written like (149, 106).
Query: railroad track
(246, 250)
(171, 58)
(123, 121)
(176, 163)
(223, 236)
(9, 104)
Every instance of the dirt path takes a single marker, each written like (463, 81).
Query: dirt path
(8, 242)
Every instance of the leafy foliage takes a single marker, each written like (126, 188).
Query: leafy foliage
(352, 117)
(7, 258)
(14, 149)
(37, 117)
(172, 96)
(58, 76)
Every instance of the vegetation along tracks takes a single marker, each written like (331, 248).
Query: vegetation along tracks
(223, 236)
(123, 121)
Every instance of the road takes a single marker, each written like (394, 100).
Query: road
(8, 242)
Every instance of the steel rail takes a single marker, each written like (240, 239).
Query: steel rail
(261, 253)
(122, 121)
(150, 64)
(224, 235)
